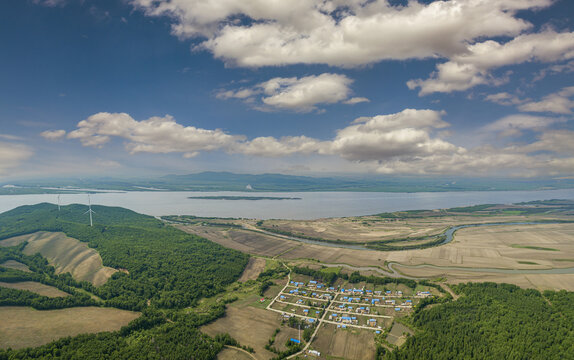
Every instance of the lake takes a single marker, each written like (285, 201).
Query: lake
(312, 205)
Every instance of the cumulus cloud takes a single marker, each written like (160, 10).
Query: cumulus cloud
(405, 134)
(154, 135)
(296, 94)
(473, 66)
(356, 100)
(285, 146)
(11, 155)
(407, 142)
(53, 134)
(559, 103)
(408, 133)
(339, 33)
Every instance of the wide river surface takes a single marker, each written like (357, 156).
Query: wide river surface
(312, 205)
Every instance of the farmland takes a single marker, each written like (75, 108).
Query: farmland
(23, 327)
(35, 287)
(522, 248)
(345, 343)
(254, 267)
(66, 254)
(248, 325)
(12, 264)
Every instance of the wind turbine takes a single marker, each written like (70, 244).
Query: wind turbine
(90, 211)
(58, 202)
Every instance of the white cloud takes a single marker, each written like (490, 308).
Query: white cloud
(304, 93)
(237, 94)
(557, 141)
(334, 32)
(559, 103)
(285, 146)
(555, 69)
(408, 142)
(407, 133)
(514, 124)
(53, 134)
(11, 155)
(154, 135)
(473, 66)
(380, 138)
(504, 98)
(296, 94)
(356, 100)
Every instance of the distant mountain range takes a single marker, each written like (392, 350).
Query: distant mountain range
(226, 181)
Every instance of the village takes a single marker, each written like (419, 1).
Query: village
(361, 307)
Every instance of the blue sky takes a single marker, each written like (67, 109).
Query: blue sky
(430, 88)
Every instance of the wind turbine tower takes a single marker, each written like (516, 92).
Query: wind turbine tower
(58, 202)
(90, 211)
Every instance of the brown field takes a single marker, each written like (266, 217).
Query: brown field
(479, 247)
(233, 354)
(23, 326)
(35, 287)
(397, 334)
(371, 228)
(242, 240)
(344, 343)
(363, 229)
(12, 264)
(249, 325)
(494, 247)
(254, 267)
(66, 255)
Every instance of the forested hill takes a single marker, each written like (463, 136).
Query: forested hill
(167, 267)
(494, 321)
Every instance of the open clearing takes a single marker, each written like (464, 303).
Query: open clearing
(254, 267)
(66, 255)
(249, 325)
(12, 264)
(397, 335)
(23, 326)
(347, 343)
(35, 287)
(233, 354)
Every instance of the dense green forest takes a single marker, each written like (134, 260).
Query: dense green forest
(168, 271)
(494, 321)
(166, 266)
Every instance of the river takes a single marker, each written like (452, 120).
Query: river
(312, 205)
